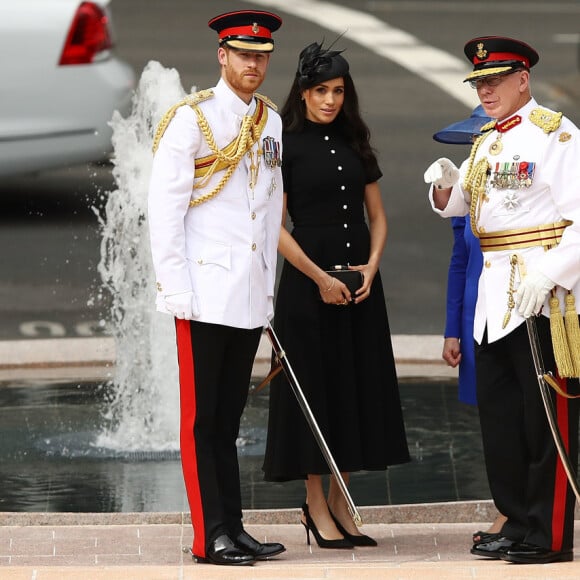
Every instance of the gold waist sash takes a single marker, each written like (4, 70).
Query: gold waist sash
(544, 235)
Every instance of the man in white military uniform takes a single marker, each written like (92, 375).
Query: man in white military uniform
(215, 208)
(520, 189)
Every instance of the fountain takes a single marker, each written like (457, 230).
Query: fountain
(63, 449)
(143, 408)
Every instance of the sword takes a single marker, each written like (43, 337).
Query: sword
(310, 419)
(544, 379)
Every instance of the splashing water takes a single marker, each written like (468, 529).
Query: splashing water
(143, 413)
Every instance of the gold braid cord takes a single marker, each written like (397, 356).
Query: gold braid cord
(227, 158)
(476, 178)
(477, 186)
(191, 100)
(231, 155)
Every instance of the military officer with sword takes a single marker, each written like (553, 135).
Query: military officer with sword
(520, 188)
(215, 205)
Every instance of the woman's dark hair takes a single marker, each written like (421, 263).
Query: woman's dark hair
(349, 119)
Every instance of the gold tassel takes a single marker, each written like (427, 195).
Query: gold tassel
(573, 332)
(559, 339)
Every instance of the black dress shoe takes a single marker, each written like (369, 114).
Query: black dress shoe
(258, 550)
(522, 553)
(339, 543)
(224, 551)
(484, 537)
(355, 540)
(492, 549)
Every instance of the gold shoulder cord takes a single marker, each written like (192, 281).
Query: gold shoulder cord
(230, 155)
(191, 100)
(239, 148)
(227, 158)
(476, 178)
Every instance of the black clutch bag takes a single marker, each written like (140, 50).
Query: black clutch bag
(352, 279)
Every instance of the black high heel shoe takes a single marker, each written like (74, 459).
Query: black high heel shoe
(342, 543)
(355, 540)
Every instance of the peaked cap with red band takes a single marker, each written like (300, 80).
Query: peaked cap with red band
(247, 29)
(496, 55)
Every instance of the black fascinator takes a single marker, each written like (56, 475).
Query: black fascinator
(317, 64)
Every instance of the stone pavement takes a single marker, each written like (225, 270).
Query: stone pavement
(154, 547)
(93, 358)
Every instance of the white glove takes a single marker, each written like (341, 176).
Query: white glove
(182, 305)
(532, 293)
(442, 173)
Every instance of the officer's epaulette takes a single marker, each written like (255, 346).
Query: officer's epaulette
(266, 101)
(546, 120)
(198, 97)
(192, 100)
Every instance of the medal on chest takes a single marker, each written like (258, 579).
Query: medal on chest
(511, 200)
(271, 149)
(514, 174)
(503, 127)
(496, 147)
(254, 169)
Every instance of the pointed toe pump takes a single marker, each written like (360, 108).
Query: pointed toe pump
(341, 543)
(355, 540)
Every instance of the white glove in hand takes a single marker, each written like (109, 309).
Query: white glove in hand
(532, 293)
(442, 173)
(182, 305)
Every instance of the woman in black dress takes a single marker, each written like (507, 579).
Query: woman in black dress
(338, 343)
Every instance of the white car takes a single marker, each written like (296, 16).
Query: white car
(60, 84)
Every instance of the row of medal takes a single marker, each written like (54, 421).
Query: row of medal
(513, 175)
(272, 154)
(272, 159)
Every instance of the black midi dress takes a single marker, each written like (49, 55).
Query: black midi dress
(341, 355)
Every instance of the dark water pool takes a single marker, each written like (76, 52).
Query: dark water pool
(47, 462)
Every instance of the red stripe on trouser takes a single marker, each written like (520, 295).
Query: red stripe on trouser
(187, 441)
(560, 480)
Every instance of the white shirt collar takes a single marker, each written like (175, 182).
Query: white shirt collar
(232, 101)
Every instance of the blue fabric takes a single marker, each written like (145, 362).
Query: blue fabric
(463, 132)
(463, 277)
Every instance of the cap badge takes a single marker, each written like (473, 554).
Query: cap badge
(255, 28)
(481, 52)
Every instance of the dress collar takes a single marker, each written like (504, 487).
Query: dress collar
(524, 112)
(322, 128)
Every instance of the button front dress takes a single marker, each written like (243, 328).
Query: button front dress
(341, 355)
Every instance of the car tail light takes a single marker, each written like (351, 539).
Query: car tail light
(88, 35)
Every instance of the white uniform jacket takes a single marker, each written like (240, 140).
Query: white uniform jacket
(225, 249)
(553, 196)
